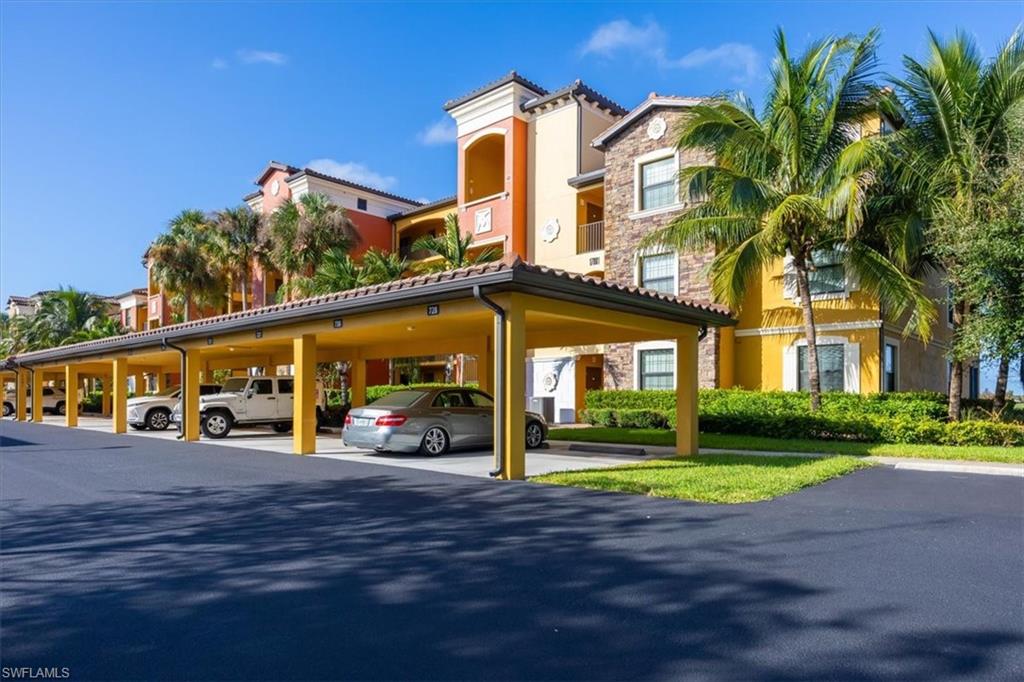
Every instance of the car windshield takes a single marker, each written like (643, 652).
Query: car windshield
(168, 392)
(235, 384)
(399, 399)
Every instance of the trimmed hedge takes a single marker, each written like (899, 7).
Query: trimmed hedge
(884, 417)
(381, 390)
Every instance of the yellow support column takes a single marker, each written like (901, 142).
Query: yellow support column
(304, 406)
(161, 381)
(686, 394)
(190, 397)
(485, 366)
(514, 465)
(357, 389)
(70, 396)
(21, 400)
(105, 395)
(726, 357)
(37, 395)
(119, 386)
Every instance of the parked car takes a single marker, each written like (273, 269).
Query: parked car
(250, 401)
(431, 421)
(53, 401)
(153, 412)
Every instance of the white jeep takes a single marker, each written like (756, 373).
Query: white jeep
(54, 401)
(252, 401)
(153, 412)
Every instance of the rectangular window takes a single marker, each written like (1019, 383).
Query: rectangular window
(891, 360)
(656, 368)
(658, 272)
(949, 306)
(830, 368)
(285, 385)
(973, 383)
(828, 275)
(657, 183)
(361, 204)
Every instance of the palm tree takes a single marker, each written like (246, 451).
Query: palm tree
(95, 328)
(300, 233)
(792, 181)
(453, 248)
(337, 271)
(383, 267)
(183, 261)
(240, 232)
(64, 313)
(958, 109)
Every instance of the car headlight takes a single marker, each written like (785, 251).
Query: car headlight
(133, 413)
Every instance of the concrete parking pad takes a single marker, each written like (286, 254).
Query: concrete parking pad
(328, 445)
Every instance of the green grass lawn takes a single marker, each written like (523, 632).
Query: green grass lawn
(735, 442)
(727, 479)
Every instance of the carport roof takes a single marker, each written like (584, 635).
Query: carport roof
(509, 274)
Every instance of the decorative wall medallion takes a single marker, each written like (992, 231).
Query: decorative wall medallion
(549, 232)
(483, 220)
(550, 381)
(656, 128)
(275, 187)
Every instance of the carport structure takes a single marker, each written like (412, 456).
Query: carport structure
(497, 311)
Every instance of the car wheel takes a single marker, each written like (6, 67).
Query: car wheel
(158, 419)
(534, 435)
(319, 418)
(8, 409)
(282, 427)
(61, 408)
(435, 442)
(216, 424)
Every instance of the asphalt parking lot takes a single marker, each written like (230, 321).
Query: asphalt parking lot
(144, 558)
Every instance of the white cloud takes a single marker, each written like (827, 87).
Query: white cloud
(353, 172)
(439, 132)
(623, 34)
(262, 57)
(651, 42)
(218, 63)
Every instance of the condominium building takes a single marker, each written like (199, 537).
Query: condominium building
(572, 180)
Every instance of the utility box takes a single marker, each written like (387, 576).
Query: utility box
(543, 405)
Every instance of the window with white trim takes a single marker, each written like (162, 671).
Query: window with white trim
(658, 272)
(657, 183)
(655, 368)
(890, 363)
(828, 275)
(831, 368)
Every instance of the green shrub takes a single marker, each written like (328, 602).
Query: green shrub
(915, 418)
(92, 401)
(983, 433)
(381, 390)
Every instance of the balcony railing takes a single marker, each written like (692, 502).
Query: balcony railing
(590, 237)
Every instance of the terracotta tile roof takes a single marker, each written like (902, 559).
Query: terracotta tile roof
(354, 185)
(429, 206)
(577, 87)
(510, 264)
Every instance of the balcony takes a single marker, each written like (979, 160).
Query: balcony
(590, 237)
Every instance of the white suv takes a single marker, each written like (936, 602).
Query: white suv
(53, 401)
(251, 401)
(153, 412)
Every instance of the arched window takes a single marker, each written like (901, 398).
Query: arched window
(485, 167)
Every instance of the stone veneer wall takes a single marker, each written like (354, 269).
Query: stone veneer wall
(623, 235)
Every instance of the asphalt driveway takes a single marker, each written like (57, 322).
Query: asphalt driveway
(130, 558)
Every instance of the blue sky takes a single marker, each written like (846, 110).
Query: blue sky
(116, 116)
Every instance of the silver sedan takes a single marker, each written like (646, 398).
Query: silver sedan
(431, 421)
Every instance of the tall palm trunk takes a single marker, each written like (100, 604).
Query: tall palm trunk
(186, 314)
(1002, 377)
(804, 290)
(956, 378)
(244, 290)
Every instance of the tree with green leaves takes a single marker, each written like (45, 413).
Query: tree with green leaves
(383, 266)
(958, 109)
(792, 182)
(241, 243)
(184, 261)
(301, 233)
(337, 271)
(452, 247)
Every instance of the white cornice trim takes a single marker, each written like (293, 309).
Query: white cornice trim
(799, 329)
